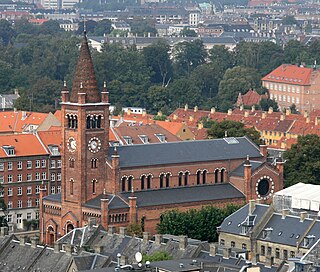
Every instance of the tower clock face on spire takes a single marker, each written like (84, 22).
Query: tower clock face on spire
(94, 144)
(72, 144)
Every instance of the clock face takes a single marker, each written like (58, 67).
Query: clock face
(72, 144)
(265, 187)
(94, 144)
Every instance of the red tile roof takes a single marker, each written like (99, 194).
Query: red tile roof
(24, 145)
(290, 74)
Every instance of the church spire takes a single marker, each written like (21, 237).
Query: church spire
(85, 76)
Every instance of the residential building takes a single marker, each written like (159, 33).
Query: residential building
(7, 100)
(136, 183)
(290, 84)
(250, 98)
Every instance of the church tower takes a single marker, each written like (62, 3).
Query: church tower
(85, 140)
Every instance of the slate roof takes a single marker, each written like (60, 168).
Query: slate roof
(186, 152)
(53, 197)
(115, 202)
(239, 171)
(186, 194)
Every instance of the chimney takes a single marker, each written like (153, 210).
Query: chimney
(303, 216)
(129, 111)
(280, 168)
(158, 239)
(34, 241)
(111, 230)
(195, 109)
(241, 107)
(253, 108)
(123, 260)
(308, 119)
(246, 114)
(264, 151)
(191, 118)
(23, 240)
(213, 110)
(263, 115)
(317, 120)
(144, 113)
(226, 252)
(247, 179)
(175, 117)
(252, 206)
(200, 125)
(185, 107)
(270, 110)
(229, 111)
(146, 237)
(24, 115)
(56, 247)
(305, 114)
(269, 261)
(122, 231)
(68, 249)
(183, 242)
(104, 205)
(288, 111)
(98, 249)
(213, 249)
(281, 117)
(284, 213)
(159, 113)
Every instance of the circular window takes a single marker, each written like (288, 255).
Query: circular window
(263, 187)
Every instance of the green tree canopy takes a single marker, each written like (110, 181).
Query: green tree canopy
(303, 161)
(198, 224)
(187, 32)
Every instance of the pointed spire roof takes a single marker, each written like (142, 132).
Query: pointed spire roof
(84, 80)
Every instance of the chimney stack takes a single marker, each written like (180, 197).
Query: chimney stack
(56, 247)
(288, 111)
(68, 249)
(303, 216)
(263, 115)
(213, 110)
(185, 107)
(281, 117)
(252, 206)
(146, 237)
(270, 110)
(253, 108)
(34, 241)
(213, 249)
(158, 239)
(195, 109)
(284, 213)
(229, 111)
(111, 230)
(123, 231)
(246, 114)
(241, 108)
(98, 249)
(183, 242)
(23, 240)
(226, 252)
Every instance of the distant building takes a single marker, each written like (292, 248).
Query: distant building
(7, 100)
(290, 84)
(250, 98)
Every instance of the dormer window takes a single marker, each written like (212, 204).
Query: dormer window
(161, 137)
(308, 240)
(144, 139)
(54, 149)
(9, 150)
(128, 140)
(266, 233)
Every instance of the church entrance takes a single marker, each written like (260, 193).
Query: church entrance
(50, 236)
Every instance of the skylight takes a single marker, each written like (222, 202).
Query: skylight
(231, 140)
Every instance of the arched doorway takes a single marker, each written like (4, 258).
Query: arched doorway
(50, 236)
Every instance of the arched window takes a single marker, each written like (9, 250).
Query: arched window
(71, 186)
(75, 121)
(93, 122)
(69, 121)
(168, 180)
(70, 227)
(123, 184)
(216, 176)
(99, 121)
(180, 178)
(94, 163)
(161, 180)
(71, 163)
(130, 179)
(142, 182)
(149, 181)
(88, 122)
(198, 176)
(204, 176)
(94, 183)
(186, 178)
(222, 175)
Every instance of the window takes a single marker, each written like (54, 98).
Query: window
(19, 177)
(244, 246)
(53, 177)
(94, 163)
(123, 184)
(29, 203)
(9, 205)
(130, 184)
(288, 98)
(204, 176)
(1, 166)
(180, 178)
(29, 177)
(9, 178)
(29, 164)
(263, 251)
(19, 191)
(149, 178)
(53, 164)
(29, 215)
(59, 189)
(59, 163)
(285, 254)
(278, 253)
(298, 89)
(198, 176)
(161, 180)
(94, 186)
(128, 140)
(161, 138)
(37, 163)
(186, 178)
(19, 204)
(37, 202)
(1, 179)
(293, 89)
(271, 86)
(222, 242)
(269, 251)
(53, 190)
(43, 163)
(37, 176)
(29, 190)
(222, 174)
(10, 165)
(71, 186)
(292, 254)
(37, 189)
(9, 191)
(1, 192)
(216, 176)
(168, 180)
(44, 175)
(298, 100)
(144, 139)
(9, 218)
(37, 215)
(19, 218)
(142, 182)
(233, 244)
(284, 98)
(58, 176)
(71, 163)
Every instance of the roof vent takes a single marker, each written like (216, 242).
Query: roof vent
(181, 265)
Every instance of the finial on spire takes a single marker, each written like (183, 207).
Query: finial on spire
(81, 85)
(248, 158)
(104, 84)
(104, 191)
(226, 133)
(64, 83)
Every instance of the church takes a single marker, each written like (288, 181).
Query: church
(118, 186)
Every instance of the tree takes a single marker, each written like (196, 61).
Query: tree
(187, 32)
(238, 80)
(135, 229)
(102, 27)
(156, 257)
(303, 161)
(232, 128)
(265, 104)
(289, 20)
(6, 32)
(158, 98)
(143, 27)
(90, 26)
(220, 56)
(293, 109)
(198, 224)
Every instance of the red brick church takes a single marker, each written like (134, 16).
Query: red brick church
(137, 183)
